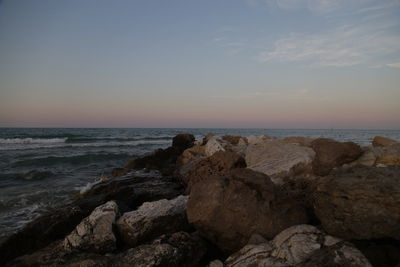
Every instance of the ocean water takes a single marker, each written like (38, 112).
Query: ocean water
(45, 167)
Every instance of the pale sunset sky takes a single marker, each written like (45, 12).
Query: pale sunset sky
(203, 63)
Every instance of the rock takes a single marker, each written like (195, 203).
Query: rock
(183, 141)
(380, 141)
(228, 210)
(293, 247)
(388, 156)
(216, 263)
(191, 154)
(119, 172)
(178, 249)
(163, 160)
(340, 255)
(380, 253)
(368, 158)
(221, 163)
(128, 192)
(279, 160)
(153, 219)
(303, 141)
(256, 239)
(215, 144)
(95, 232)
(207, 137)
(330, 154)
(253, 140)
(232, 139)
(360, 203)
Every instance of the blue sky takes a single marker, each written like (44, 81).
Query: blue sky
(209, 63)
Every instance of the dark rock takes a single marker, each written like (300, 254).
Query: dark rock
(360, 203)
(220, 163)
(232, 139)
(128, 192)
(381, 253)
(119, 172)
(227, 210)
(330, 154)
(178, 249)
(183, 141)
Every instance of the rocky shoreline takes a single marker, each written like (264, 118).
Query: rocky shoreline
(229, 201)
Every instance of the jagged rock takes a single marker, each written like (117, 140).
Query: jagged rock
(178, 249)
(95, 232)
(330, 154)
(216, 263)
(191, 154)
(295, 246)
(367, 158)
(119, 172)
(183, 141)
(153, 219)
(129, 192)
(232, 139)
(380, 141)
(360, 203)
(221, 163)
(207, 137)
(303, 141)
(215, 144)
(253, 140)
(388, 156)
(279, 160)
(338, 255)
(227, 210)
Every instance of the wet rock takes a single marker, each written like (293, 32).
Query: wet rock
(360, 203)
(128, 192)
(153, 219)
(119, 172)
(279, 160)
(95, 232)
(178, 249)
(380, 141)
(330, 154)
(227, 210)
(295, 246)
(221, 163)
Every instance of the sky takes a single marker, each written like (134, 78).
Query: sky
(204, 63)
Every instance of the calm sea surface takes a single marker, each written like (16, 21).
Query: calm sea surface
(45, 167)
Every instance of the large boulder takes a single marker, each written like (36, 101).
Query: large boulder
(191, 154)
(95, 232)
(227, 210)
(331, 154)
(221, 163)
(360, 203)
(253, 140)
(215, 144)
(295, 246)
(279, 160)
(178, 249)
(388, 156)
(183, 141)
(380, 141)
(232, 139)
(153, 219)
(299, 140)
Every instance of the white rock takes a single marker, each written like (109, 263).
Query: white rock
(214, 144)
(278, 159)
(95, 232)
(153, 219)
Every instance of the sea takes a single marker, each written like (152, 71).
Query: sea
(45, 167)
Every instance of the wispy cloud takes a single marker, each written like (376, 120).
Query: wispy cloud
(394, 65)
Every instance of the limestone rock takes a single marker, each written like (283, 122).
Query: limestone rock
(191, 154)
(215, 144)
(296, 246)
(360, 203)
(279, 160)
(228, 210)
(95, 232)
(178, 249)
(207, 137)
(380, 141)
(330, 154)
(153, 219)
(221, 163)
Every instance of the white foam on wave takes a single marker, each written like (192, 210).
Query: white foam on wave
(32, 140)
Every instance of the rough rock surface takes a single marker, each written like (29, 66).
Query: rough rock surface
(303, 141)
(228, 210)
(388, 156)
(215, 144)
(178, 249)
(330, 154)
(163, 160)
(253, 140)
(380, 141)
(279, 160)
(360, 203)
(191, 154)
(221, 163)
(292, 247)
(128, 192)
(153, 219)
(95, 232)
(119, 172)
(368, 158)
(232, 139)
